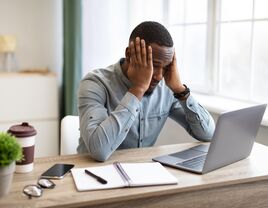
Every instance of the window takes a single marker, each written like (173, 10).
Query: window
(221, 45)
(105, 32)
(243, 50)
(187, 23)
(107, 25)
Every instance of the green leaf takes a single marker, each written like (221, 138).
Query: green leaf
(10, 149)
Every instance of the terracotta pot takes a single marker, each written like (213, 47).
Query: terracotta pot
(6, 176)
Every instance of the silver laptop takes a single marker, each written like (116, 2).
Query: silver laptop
(232, 141)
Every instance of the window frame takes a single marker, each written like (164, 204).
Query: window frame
(213, 47)
(210, 45)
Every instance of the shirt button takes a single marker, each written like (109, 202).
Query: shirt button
(126, 130)
(142, 119)
(159, 118)
(137, 110)
(141, 140)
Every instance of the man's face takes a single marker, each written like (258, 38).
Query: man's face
(162, 57)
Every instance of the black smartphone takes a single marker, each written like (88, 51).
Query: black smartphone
(57, 171)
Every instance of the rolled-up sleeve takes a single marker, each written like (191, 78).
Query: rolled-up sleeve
(195, 119)
(100, 132)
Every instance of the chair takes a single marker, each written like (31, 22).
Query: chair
(70, 134)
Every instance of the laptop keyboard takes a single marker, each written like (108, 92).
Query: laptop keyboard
(195, 163)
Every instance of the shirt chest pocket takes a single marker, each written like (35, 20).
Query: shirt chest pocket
(155, 122)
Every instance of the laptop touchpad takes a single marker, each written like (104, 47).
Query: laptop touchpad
(187, 154)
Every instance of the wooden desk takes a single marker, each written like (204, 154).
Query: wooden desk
(242, 184)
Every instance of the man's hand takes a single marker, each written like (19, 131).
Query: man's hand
(172, 77)
(140, 70)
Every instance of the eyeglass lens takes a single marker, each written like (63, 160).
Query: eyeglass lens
(45, 183)
(34, 190)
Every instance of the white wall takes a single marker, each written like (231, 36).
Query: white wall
(107, 25)
(105, 32)
(37, 25)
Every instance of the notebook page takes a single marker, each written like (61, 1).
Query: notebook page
(145, 174)
(86, 182)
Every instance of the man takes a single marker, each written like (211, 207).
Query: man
(126, 105)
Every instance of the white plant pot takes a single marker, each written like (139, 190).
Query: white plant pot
(6, 176)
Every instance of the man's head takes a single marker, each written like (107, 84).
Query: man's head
(152, 32)
(158, 37)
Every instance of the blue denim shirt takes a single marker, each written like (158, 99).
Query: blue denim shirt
(112, 118)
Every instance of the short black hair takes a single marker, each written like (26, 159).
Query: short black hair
(152, 32)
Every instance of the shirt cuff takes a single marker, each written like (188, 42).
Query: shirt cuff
(190, 104)
(131, 102)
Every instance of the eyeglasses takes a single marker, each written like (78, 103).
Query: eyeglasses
(36, 190)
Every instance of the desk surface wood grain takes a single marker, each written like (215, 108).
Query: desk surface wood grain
(236, 181)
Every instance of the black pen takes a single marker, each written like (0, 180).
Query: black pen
(98, 178)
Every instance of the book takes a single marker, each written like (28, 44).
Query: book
(119, 175)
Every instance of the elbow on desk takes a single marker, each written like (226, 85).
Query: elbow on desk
(99, 150)
(207, 133)
(206, 137)
(99, 155)
(201, 137)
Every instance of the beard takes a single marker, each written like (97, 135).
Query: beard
(148, 93)
(151, 88)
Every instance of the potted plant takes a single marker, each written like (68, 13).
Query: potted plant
(10, 151)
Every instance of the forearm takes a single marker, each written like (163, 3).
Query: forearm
(195, 119)
(103, 133)
(137, 92)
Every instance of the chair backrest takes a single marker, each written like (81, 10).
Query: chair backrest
(69, 135)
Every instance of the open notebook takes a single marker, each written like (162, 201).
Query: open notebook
(120, 175)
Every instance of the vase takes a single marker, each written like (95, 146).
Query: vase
(6, 176)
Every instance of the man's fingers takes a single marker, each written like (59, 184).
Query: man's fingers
(150, 57)
(174, 60)
(138, 49)
(143, 52)
(132, 52)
